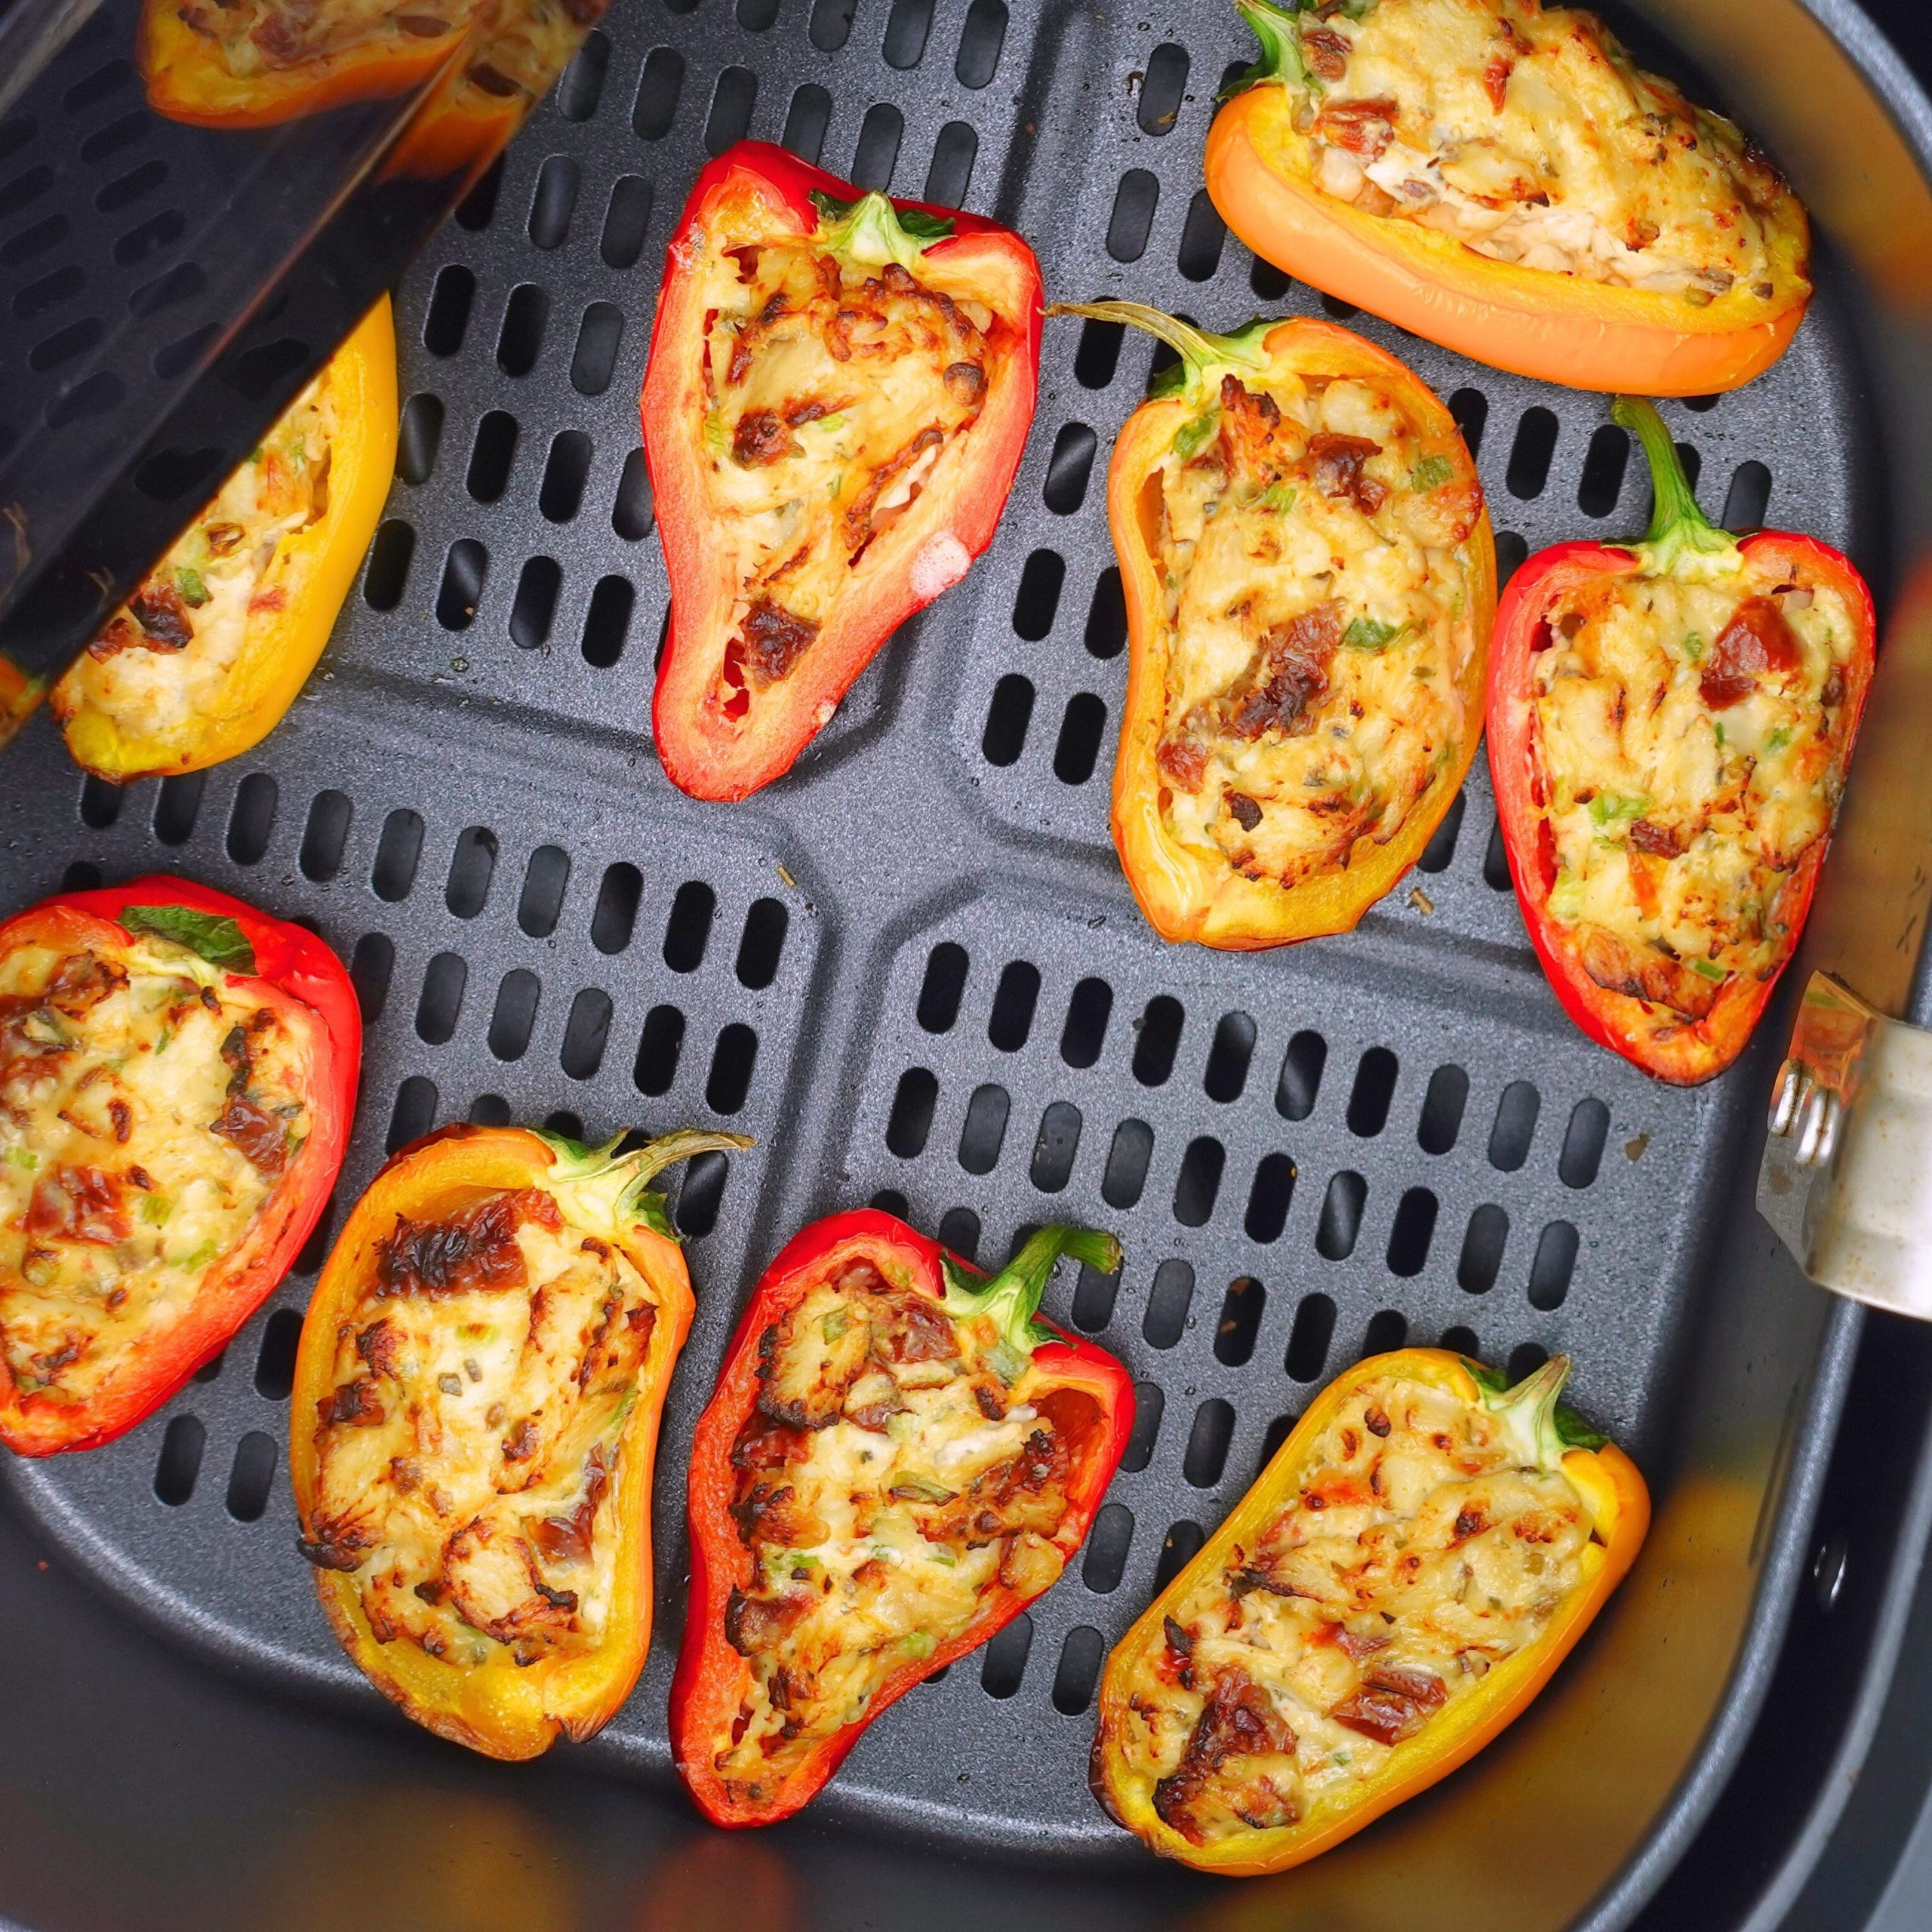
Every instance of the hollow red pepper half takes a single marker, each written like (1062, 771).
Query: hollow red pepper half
(838, 390)
(1669, 724)
(900, 1456)
(177, 1075)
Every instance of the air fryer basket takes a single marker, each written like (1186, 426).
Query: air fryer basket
(913, 970)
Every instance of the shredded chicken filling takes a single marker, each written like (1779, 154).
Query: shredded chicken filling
(1689, 740)
(889, 1478)
(146, 1116)
(468, 1455)
(838, 395)
(1312, 553)
(1415, 1556)
(1529, 134)
(163, 660)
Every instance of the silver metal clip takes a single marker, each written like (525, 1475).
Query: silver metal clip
(1847, 1177)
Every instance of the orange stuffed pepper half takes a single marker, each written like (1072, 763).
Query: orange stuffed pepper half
(1502, 178)
(1418, 1557)
(1310, 579)
(476, 1405)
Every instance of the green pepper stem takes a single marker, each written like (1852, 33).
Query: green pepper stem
(870, 232)
(1011, 1299)
(1678, 528)
(619, 1185)
(1277, 28)
(1527, 1413)
(1203, 356)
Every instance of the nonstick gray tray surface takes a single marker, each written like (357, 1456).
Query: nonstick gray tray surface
(912, 969)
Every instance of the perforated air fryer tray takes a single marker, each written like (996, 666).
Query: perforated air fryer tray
(912, 969)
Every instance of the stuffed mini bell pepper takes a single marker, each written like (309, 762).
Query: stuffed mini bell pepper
(219, 63)
(253, 63)
(839, 388)
(1502, 179)
(476, 1405)
(1309, 578)
(1669, 724)
(178, 1072)
(899, 1457)
(202, 661)
(1402, 1579)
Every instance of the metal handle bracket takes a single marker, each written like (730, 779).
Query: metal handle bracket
(1846, 1178)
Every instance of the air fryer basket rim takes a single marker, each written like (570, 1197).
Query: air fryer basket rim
(1666, 1269)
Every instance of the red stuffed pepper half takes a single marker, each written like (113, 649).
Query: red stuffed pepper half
(838, 391)
(1669, 724)
(899, 1457)
(177, 1073)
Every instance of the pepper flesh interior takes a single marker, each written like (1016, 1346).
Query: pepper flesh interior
(1691, 740)
(1310, 550)
(162, 662)
(1418, 1551)
(889, 1477)
(148, 1108)
(836, 392)
(1529, 135)
(468, 1454)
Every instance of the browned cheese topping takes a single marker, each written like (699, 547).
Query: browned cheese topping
(889, 1480)
(1315, 567)
(836, 395)
(468, 1456)
(1691, 738)
(1528, 134)
(1415, 1556)
(146, 1114)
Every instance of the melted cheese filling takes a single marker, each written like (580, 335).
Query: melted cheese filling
(118, 1197)
(839, 395)
(1683, 780)
(1530, 136)
(469, 1456)
(889, 1479)
(1415, 1556)
(270, 36)
(162, 663)
(1316, 579)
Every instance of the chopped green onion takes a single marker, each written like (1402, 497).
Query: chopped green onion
(194, 592)
(1694, 647)
(1279, 497)
(1191, 436)
(155, 1209)
(25, 1159)
(1709, 968)
(918, 1643)
(835, 1324)
(1609, 807)
(1779, 739)
(1370, 633)
(921, 1489)
(1566, 899)
(1431, 473)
